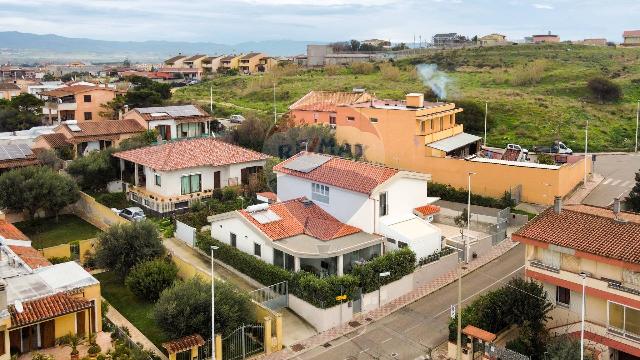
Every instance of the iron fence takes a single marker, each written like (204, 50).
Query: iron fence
(244, 342)
(122, 334)
(274, 296)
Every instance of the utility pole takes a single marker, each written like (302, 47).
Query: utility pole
(586, 144)
(459, 310)
(211, 99)
(486, 111)
(275, 113)
(584, 279)
(637, 122)
(213, 307)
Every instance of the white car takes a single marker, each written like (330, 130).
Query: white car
(517, 148)
(131, 213)
(236, 119)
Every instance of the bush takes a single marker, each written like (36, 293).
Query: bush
(122, 246)
(362, 68)
(95, 170)
(604, 89)
(399, 263)
(449, 193)
(193, 314)
(59, 259)
(148, 279)
(435, 256)
(546, 159)
(389, 72)
(529, 74)
(113, 200)
(322, 292)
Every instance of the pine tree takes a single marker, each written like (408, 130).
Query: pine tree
(633, 200)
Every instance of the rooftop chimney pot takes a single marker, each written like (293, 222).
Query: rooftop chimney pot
(557, 204)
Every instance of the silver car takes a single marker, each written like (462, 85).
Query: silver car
(131, 213)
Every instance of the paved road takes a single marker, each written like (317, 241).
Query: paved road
(619, 177)
(407, 333)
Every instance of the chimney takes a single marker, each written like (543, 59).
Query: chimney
(557, 204)
(616, 206)
(3, 295)
(126, 108)
(415, 100)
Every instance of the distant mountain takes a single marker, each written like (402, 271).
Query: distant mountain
(33, 46)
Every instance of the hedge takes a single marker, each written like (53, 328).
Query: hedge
(449, 193)
(321, 292)
(435, 256)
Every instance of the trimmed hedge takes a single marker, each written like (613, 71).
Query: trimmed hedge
(435, 256)
(321, 292)
(449, 193)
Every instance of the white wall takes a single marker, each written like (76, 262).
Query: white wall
(185, 233)
(355, 209)
(320, 319)
(429, 272)
(387, 293)
(172, 123)
(245, 237)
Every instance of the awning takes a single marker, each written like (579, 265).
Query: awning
(454, 142)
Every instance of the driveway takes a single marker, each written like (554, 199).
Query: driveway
(619, 177)
(409, 332)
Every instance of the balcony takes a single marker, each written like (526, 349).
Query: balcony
(540, 265)
(617, 285)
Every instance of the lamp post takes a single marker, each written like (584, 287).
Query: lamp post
(584, 279)
(637, 123)
(486, 111)
(466, 255)
(380, 276)
(586, 144)
(213, 307)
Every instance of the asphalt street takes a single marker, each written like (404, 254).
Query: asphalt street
(619, 177)
(407, 333)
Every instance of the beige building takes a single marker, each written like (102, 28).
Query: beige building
(548, 38)
(493, 39)
(210, 64)
(631, 38)
(256, 63)
(77, 102)
(8, 90)
(579, 250)
(229, 62)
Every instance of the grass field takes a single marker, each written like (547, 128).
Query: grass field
(554, 104)
(47, 232)
(138, 312)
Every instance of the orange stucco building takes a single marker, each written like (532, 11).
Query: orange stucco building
(77, 102)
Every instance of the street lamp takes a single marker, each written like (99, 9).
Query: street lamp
(586, 144)
(486, 111)
(213, 306)
(464, 241)
(380, 276)
(637, 122)
(584, 279)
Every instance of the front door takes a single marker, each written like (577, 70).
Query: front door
(48, 334)
(80, 318)
(216, 180)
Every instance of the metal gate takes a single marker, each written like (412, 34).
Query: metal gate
(74, 251)
(274, 297)
(516, 193)
(357, 301)
(499, 230)
(244, 342)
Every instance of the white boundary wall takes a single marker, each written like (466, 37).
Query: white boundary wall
(185, 233)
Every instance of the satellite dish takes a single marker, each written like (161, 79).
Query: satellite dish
(19, 307)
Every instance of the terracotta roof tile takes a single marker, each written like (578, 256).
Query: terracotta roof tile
(511, 155)
(8, 86)
(108, 127)
(194, 58)
(427, 210)
(347, 174)
(174, 59)
(479, 333)
(299, 217)
(190, 153)
(268, 195)
(45, 308)
(16, 163)
(30, 256)
(9, 231)
(589, 229)
(329, 101)
(183, 344)
(73, 90)
(56, 140)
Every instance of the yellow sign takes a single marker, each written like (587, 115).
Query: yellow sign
(341, 297)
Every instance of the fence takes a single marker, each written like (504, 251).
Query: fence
(274, 297)
(73, 251)
(244, 342)
(496, 352)
(185, 233)
(95, 213)
(122, 335)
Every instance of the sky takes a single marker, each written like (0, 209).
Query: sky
(234, 21)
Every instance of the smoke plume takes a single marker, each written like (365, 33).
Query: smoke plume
(435, 79)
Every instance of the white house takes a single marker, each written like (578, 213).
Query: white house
(170, 176)
(374, 198)
(173, 122)
(296, 235)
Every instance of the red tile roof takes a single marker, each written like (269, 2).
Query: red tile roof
(56, 140)
(46, 308)
(9, 231)
(268, 195)
(16, 163)
(329, 101)
(427, 210)
(8, 86)
(190, 153)
(631, 33)
(511, 155)
(73, 90)
(588, 229)
(108, 127)
(347, 174)
(299, 217)
(30, 256)
(183, 344)
(479, 333)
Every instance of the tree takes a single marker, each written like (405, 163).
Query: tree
(144, 139)
(355, 45)
(291, 140)
(50, 158)
(398, 47)
(36, 188)
(122, 246)
(564, 347)
(546, 159)
(94, 170)
(604, 89)
(126, 63)
(20, 113)
(633, 199)
(472, 118)
(462, 220)
(251, 133)
(148, 279)
(193, 314)
(48, 77)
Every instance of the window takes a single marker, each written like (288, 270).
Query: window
(232, 240)
(190, 183)
(373, 120)
(402, 245)
(384, 204)
(351, 118)
(190, 130)
(158, 180)
(422, 126)
(283, 260)
(87, 98)
(563, 296)
(392, 241)
(320, 193)
(2, 349)
(88, 115)
(431, 123)
(257, 250)
(624, 320)
(332, 119)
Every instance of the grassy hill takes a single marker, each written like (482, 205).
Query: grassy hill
(536, 94)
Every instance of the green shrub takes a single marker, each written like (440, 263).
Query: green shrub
(148, 279)
(113, 200)
(322, 292)
(604, 89)
(435, 256)
(449, 193)
(546, 159)
(59, 259)
(398, 263)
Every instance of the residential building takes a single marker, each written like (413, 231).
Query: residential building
(41, 302)
(8, 90)
(171, 176)
(323, 55)
(493, 40)
(449, 39)
(296, 235)
(580, 250)
(548, 38)
(593, 42)
(175, 62)
(631, 38)
(77, 102)
(25, 136)
(86, 136)
(210, 64)
(374, 198)
(17, 155)
(173, 122)
(256, 63)
(37, 88)
(229, 62)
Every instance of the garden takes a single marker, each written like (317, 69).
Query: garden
(48, 232)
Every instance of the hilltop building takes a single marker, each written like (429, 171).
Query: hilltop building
(631, 38)
(77, 102)
(548, 38)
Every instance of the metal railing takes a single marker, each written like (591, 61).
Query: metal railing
(122, 335)
(273, 296)
(540, 265)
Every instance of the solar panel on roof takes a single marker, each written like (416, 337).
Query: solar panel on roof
(11, 151)
(265, 217)
(307, 162)
(26, 150)
(3, 154)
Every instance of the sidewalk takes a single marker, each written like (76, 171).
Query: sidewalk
(362, 320)
(134, 333)
(582, 192)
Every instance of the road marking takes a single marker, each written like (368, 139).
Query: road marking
(626, 183)
(615, 182)
(607, 181)
(384, 341)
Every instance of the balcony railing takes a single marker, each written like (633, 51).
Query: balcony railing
(617, 285)
(540, 265)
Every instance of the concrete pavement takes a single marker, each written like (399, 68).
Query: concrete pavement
(618, 171)
(411, 331)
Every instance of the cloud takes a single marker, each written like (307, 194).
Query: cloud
(543, 6)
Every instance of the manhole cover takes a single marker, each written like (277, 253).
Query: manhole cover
(368, 319)
(395, 355)
(297, 347)
(326, 345)
(354, 323)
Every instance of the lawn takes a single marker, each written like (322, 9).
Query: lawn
(47, 232)
(138, 312)
(554, 106)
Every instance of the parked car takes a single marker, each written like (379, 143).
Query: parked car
(517, 148)
(131, 213)
(236, 119)
(558, 147)
(193, 82)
